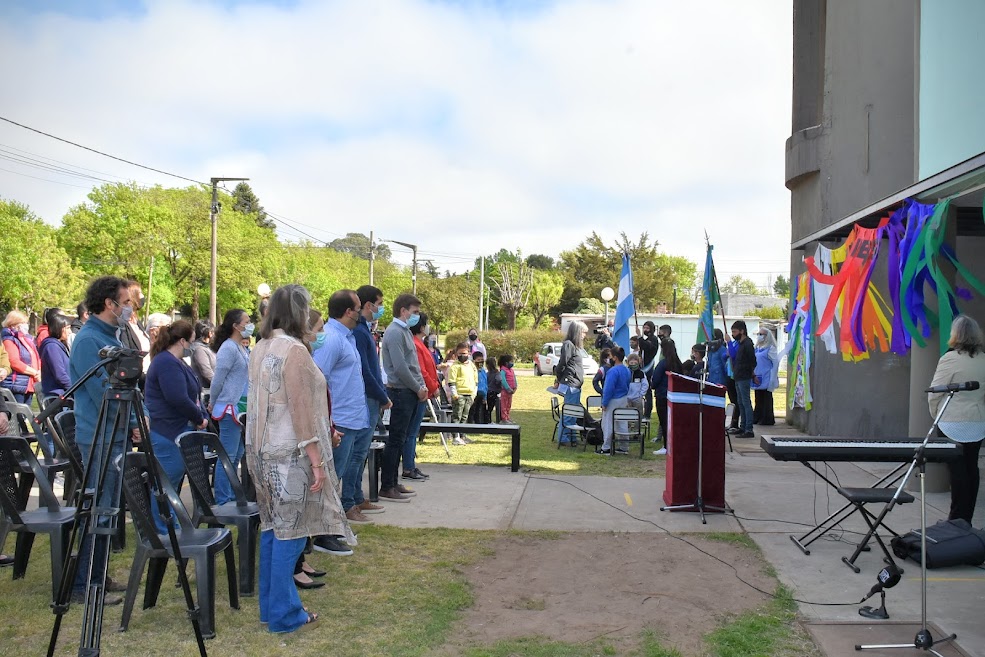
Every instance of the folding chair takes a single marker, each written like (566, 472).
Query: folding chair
(200, 545)
(555, 415)
(576, 421)
(627, 427)
(50, 517)
(242, 513)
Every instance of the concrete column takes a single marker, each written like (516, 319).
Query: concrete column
(923, 363)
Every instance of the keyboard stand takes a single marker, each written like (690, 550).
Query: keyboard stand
(842, 514)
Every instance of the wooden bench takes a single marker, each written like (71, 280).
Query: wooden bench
(511, 430)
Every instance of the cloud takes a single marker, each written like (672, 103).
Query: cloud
(462, 127)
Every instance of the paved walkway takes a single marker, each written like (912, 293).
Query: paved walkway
(770, 498)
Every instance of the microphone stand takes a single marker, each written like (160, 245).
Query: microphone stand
(923, 640)
(699, 502)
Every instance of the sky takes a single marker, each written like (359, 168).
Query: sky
(462, 126)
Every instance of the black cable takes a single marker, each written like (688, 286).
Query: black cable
(687, 542)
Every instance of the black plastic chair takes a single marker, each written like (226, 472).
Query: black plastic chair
(49, 518)
(246, 477)
(242, 513)
(63, 431)
(50, 461)
(200, 545)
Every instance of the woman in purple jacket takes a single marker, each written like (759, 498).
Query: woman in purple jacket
(53, 350)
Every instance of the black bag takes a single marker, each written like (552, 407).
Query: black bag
(594, 436)
(949, 543)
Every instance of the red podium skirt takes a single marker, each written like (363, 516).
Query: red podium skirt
(686, 403)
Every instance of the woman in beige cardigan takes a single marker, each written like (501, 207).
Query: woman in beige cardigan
(288, 448)
(964, 419)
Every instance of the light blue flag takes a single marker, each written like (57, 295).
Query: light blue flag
(625, 305)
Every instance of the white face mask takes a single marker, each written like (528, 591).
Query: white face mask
(126, 312)
(23, 328)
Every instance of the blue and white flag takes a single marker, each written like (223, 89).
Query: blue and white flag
(625, 305)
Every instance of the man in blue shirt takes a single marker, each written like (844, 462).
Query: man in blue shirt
(339, 361)
(108, 301)
(371, 309)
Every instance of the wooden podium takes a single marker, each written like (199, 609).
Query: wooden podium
(683, 411)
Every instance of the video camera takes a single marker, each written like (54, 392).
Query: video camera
(126, 365)
(600, 329)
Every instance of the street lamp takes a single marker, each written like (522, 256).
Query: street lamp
(214, 216)
(413, 268)
(607, 295)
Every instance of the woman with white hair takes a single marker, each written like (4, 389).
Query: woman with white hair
(964, 418)
(571, 374)
(765, 378)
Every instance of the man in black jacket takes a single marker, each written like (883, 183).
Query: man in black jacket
(742, 369)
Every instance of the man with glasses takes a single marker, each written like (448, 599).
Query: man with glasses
(339, 361)
(376, 400)
(743, 365)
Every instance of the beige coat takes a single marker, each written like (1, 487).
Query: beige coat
(287, 403)
(965, 406)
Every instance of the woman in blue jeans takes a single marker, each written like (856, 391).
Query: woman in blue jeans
(571, 374)
(172, 394)
(228, 391)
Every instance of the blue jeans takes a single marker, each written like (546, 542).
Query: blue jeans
(352, 478)
(109, 496)
(168, 454)
(573, 396)
(405, 404)
(742, 387)
(410, 445)
(340, 454)
(230, 435)
(280, 604)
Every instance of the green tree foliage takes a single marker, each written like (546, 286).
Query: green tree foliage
(545, 294)
(781, 286)
(538, 261)
(35, 272)
(358, 245)
(593, 264)
(246, 202)
(740, 285)
(451, 303)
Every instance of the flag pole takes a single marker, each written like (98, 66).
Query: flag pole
(718, 291)
(632, 291)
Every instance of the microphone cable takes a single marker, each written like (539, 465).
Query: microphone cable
(692, 545)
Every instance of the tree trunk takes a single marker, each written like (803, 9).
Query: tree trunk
(195, 303)
(511, 318)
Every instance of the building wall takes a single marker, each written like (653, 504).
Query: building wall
(858, 150)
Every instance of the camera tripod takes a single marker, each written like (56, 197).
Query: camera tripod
(100, 498)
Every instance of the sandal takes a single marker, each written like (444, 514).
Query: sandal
(312, 620)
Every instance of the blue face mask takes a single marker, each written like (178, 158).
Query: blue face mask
(319, 341)
(378, 313)
(413, 320)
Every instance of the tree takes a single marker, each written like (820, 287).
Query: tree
(451, 302)
(590, 306)
(358, 245)
(34, 270)
(539, 261)
(246, 202)
(781, 286)
(514, 285)
(740, 285)
(544, 294)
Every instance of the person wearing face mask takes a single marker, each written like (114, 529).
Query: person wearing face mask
(133, 335)
(605, 362)
(507, 387)
(743, 364)
(649, 344)
(203, 358)
(228, 391)
(463, 381)
(475, 344)
(54, 357)
(108, 301)
(430, 373)
(765, 378)
(615, 395)
(173, 396)
(25, 364)
(638, 383)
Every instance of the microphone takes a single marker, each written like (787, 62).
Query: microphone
(887, 578)
(955, 387)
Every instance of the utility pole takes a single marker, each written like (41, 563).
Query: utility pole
(150, 287)
(214, 216)
(482, 285)
(413, 267)
(372, 255)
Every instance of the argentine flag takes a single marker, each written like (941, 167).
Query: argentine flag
(625, 305)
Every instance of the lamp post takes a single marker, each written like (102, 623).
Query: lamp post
(214, 217)
(607, 295)
(413, 267)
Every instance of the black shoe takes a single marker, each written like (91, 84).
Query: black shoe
(308, 585)
(412, 474)
(734, 430)
(330, 545)
(6, 561)
(313, 572)
(745, 434)
(418, 472)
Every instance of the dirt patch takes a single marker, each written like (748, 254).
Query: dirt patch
(580, 587)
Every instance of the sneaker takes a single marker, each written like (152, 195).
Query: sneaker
(734, 430)
(418, 472)
(458, 441)
(745, 434)
(376, 444)
(368, 507)
(604, 452)
(412, 474)
(660, 452)
(354, 515)
(393, 495)
(112, 586)
(403, 490)
(468, 441)
(330, 545)
(78, 598)
(622, 450)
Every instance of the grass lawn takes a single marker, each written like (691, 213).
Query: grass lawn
(532, 411)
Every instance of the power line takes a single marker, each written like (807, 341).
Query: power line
(93, 150)
(57, 182)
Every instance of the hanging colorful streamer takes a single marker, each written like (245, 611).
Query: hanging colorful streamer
(800, 346)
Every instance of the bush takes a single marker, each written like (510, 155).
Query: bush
(522, 343)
